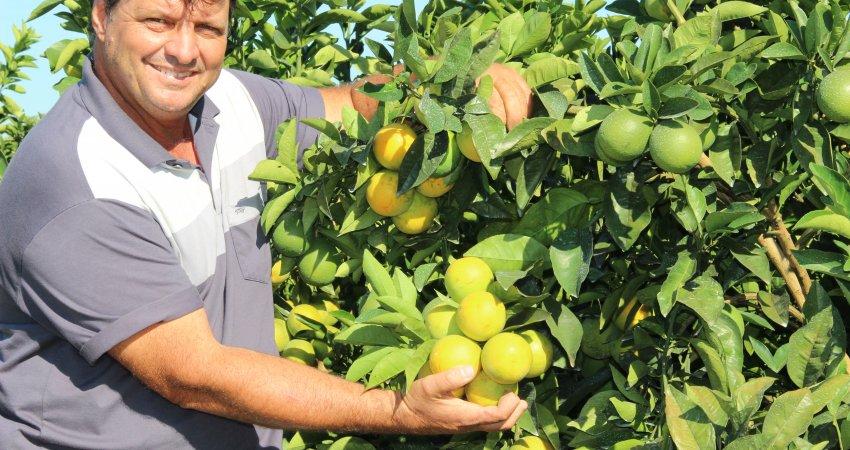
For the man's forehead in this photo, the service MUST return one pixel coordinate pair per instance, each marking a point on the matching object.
(181, 7)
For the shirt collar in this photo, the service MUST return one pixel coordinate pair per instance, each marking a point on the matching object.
(99, 102)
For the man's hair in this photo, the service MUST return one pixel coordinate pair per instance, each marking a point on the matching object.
(111, 4)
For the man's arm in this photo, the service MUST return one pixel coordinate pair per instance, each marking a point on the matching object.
(182, 361)
(511, 99)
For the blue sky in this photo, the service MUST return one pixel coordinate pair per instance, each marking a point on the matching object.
(40, 95)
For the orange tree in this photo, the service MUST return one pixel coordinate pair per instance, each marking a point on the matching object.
(658, 257)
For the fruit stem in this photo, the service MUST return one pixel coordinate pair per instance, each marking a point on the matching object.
(680, 19)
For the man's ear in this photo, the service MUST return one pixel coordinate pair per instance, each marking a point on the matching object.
(98, 19)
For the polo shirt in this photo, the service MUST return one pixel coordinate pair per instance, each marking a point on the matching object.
(104, 233)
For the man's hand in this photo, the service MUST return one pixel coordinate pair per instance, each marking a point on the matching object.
(430, 408)
(511, 99)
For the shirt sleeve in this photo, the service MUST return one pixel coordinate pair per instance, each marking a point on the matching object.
(278, 101)
(100, 272)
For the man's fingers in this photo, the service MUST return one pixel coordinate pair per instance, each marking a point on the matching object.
(442, 384)
(518, 412)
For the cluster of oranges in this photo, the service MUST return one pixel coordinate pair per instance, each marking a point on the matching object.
(472, 334)
(414, 211)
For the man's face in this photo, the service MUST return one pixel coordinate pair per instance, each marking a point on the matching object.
(161, 56)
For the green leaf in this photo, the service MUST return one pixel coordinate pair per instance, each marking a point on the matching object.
(702, 30)
(323, 126)
(704, 296)
(377, 276)
(535, 31)
(567, 331)
(348, 443)
(43, 8)
(737, 215)
(274, 208)
(832, 390)
(389, 366)
(547, 70)
(570, 255)
(825, 220)
(509, 30)
(676, 107)
(509, 252)
(531, 173)
(753, 258)
(834, 186)
(682, 271)
(687, 423)
(421, 160)
(287, 146)
(816, 349)
(458, 52)
(591, 73)
(748, 398)
(364, 364)
(336, 15)
(783, 50)
(367, 334)
(262, 59)
(627, 208)
(271, 170)
(713, 403)
(69, 51)
(735, 9)
(788, 417)
(823, 262)
(523, 136)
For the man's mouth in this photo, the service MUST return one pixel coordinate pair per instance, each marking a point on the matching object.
(174, 74)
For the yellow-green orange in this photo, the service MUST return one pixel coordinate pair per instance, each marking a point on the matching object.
(658, 10)
(442, 321)
(300, 351)
(318, 266)
(324, 312)
(675, 146)
(506, 358)
(486, 392)
(452, 158)
(641, 312)
(381, 194)
(531, 443)
(281, 336)
(295, 326)
(281, 269)
(391, 144)
(434, 187)
(481, 316)
(622, 136)
(289, 236)
(467, 145)
(418, 217)
(453, 351)
(833, 95)
(467, 275)
(541, 352)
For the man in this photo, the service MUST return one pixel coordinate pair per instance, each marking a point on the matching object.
(135, 309)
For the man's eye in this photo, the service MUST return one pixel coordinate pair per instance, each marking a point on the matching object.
(156, 21)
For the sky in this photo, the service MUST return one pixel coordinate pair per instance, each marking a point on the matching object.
(40, 95)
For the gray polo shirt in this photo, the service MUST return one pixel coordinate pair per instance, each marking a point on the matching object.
(104, 233)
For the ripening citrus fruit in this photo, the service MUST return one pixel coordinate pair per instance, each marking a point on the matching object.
(486, 392)
(531, 443)
(641, 312)
(466, 144)
(318, 266)
(833, 95)
(442, 321)
(281, 336)
(541, 352)
(289, 236)
(481, 316)
(324, 315)
(435, 187)
(658, 10)
(392, 143)
(419, 215)
(381, 194)
(451, 160)
(622, 136)
(281, 269)
(467, 275)
(453, 351)
(300, 351)
(675, 146)
(506, 358)
(296, 326)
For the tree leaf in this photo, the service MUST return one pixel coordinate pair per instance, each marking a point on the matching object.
(389, 366)
(567, 330)
(271, 170)
(560, 209)
(788, 417)
(364, 364)
(509, 252)
(377, 276)
(687, 423)
(627, 209)
(535, 31)
(681, 271)
(783, 50)
(825, 220)
(367, 334)
(704, 296)
(816, 349)
(570, 255)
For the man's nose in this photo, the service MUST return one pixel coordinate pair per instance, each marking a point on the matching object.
(182, 46)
